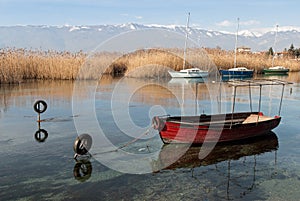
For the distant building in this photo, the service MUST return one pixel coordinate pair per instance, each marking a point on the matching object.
(281, 54)
(243, 49)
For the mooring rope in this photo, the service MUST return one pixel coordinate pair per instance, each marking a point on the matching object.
(128, 143)
(135, 139)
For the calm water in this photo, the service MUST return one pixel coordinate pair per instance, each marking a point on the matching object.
(32, 168)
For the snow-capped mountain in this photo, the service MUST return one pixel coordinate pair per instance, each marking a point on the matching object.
(86, 38)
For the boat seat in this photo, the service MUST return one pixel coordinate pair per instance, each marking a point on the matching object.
(254, 117)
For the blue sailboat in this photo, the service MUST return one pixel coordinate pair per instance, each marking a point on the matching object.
(236, 72)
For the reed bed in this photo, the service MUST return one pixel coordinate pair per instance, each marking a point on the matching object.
(256, 61)
(150, 63)
(17, 65)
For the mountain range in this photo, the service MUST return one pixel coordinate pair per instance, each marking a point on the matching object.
(86, 38)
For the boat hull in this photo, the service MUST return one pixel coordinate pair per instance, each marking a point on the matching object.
(277, 72)
(236, 73)
(214, 128)
(187, 75)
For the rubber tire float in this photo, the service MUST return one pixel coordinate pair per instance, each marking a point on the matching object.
(40, 106)
(82, 144)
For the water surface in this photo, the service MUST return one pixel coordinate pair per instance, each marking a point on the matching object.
(35, 169)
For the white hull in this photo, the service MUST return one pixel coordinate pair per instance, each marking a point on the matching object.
(184, 74)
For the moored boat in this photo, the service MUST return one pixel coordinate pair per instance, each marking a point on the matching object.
(238, 71)
(220, 127)
(189, 73)
(214, 128)
(276, 70)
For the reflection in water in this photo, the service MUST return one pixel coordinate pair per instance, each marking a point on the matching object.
(235, 77)
(54, 92)
(41, 135)
(290, 77)
(187, 80)
(22, 155)
(226, 153)
(82, 170)
(221, 152)
(231, 171)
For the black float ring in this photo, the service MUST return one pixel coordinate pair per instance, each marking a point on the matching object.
(82, 144)
(39, 137)
(37, 106)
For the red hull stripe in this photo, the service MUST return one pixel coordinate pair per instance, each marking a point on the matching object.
(176, 132)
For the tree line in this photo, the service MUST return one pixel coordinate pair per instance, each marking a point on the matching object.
(291, 52)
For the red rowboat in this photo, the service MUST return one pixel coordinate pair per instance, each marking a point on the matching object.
(220, 127)
(214, 128)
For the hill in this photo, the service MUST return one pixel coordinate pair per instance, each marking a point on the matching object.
(87, 38)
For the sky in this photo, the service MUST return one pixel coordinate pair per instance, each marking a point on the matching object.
(220, 15)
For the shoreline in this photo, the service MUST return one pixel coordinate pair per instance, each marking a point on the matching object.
(17, 65)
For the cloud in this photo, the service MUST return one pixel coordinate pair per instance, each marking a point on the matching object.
(249, 22)
(131, 16)
(138, 17)
(227, 23)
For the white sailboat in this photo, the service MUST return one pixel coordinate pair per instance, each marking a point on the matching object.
(190, 72)
(281, 70)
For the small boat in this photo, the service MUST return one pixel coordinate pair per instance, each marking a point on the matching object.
(220, 127)
(238, 71)
(190, 72)
(281, 70)
(276, 70)
(214, 128)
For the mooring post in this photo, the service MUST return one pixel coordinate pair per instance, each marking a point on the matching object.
(39, 121)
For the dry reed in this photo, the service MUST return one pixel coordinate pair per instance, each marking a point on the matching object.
(256, 61)
(19, 64)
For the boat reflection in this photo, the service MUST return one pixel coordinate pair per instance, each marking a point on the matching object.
(187, 80)
(232, 168)
(276, 76)
(221, 152)
(235, 77)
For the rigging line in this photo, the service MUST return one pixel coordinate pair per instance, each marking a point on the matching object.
(185, 42)
(236, 41)
(281, 99)
(275, 41)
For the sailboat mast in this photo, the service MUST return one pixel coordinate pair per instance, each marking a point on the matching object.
(275, 41)
(236, 40)
(186, 38)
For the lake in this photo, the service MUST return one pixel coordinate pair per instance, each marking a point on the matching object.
(115, 111)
